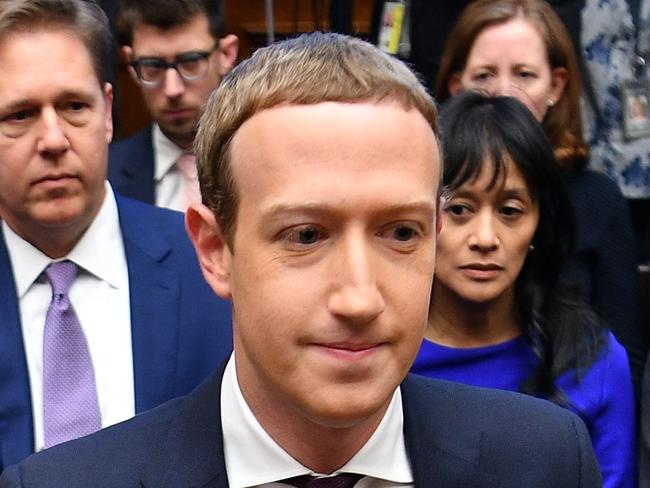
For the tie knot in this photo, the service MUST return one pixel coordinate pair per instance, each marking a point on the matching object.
(186, 163)
(61, 276)
(344, 480)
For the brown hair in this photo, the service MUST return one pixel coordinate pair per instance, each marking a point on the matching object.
(167, 14)
(563, 121)
(309, 69)
(84, 19)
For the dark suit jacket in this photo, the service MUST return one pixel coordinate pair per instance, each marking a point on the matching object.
(456, 436)
(131, 166)
(180, 329)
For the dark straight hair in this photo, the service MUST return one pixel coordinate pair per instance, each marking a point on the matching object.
(167, 14)
(478, 130)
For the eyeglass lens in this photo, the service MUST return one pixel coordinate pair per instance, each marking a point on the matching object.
(190, 66)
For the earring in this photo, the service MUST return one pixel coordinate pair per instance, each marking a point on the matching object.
(550, 102)
(531, 248)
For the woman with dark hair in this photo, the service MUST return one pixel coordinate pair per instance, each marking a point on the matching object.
(501, 316)
(520, 48)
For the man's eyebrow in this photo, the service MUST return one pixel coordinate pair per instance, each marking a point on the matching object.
(280, 209)
(67, 94)
(21, 103)
(15, 104)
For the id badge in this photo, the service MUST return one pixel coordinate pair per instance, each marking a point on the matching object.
(390, 30)
(635, 100)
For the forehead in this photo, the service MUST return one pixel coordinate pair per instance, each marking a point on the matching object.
(334, 154)
(192, 35)
(518, 37)
(45, 60)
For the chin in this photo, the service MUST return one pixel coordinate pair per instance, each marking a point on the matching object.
(350, 406)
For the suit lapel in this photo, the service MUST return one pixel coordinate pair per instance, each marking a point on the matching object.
(133, 167)
(441, 451)
(192, 453)
(154, 293)
(16, 424)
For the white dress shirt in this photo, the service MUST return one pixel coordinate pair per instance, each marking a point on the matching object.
(253, 459)
(100, 297)
(168, 178)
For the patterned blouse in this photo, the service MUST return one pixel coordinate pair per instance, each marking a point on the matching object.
(608, 41)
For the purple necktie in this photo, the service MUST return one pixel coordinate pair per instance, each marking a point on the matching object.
(70, 407)
(344, 480)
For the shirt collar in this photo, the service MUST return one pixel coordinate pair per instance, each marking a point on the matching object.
(253, 457)
(166, 153)
(98, 251)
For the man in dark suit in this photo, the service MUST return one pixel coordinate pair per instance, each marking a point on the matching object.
(188, 36)
(150, 327)
(320, 166)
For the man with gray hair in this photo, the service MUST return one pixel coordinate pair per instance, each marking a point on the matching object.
(103, 309)
(319, 167)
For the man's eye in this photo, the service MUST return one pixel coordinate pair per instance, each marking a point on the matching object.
(152, 63)
(76, 106)
(404, 233)
(20, 116)
(305, 235)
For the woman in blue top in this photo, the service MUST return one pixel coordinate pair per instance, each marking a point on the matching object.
(500, 315)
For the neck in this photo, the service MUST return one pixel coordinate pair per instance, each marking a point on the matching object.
(456, 322)
(313, 442)
(184, 141)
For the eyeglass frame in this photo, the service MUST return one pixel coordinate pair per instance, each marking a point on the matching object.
(136, 64)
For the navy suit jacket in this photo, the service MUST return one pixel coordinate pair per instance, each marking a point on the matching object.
(131, 164)
(456, 436)
(180, 330)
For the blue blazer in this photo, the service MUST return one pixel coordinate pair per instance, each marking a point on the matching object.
(456, 436)
(131, 166)
(180, 330)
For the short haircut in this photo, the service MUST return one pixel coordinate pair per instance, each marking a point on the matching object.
(84, 19)
(167, 14)
(563, 122)
(307, 70)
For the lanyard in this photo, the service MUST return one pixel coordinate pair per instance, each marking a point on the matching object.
(641, 39)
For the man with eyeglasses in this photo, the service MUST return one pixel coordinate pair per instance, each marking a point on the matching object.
(178, 52)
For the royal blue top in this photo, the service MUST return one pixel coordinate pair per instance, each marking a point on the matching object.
(603, 398)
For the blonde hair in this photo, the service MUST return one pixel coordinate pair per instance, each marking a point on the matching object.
(309, 69)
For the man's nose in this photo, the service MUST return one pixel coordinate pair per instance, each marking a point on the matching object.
(53, 139)
(173, 83)
(355, 294)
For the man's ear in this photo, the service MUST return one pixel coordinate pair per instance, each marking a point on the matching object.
(211, 248)
(127, 52)
(228, 49)
(108, 116)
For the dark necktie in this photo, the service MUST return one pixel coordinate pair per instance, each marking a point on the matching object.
(70, 407)
(345, 480)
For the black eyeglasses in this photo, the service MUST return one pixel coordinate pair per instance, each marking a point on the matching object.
(190, 66)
